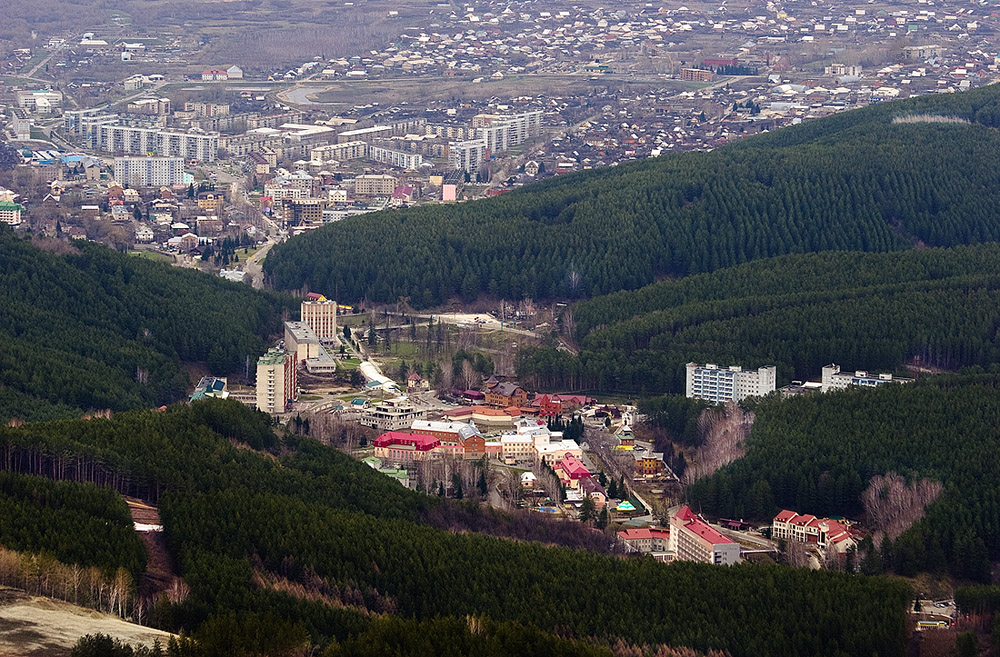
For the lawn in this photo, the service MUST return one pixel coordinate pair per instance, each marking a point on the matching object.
(152, 255)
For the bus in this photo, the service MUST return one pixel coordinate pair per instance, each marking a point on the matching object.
(931, 625)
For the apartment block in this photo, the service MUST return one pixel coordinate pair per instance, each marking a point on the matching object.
(715, 384)
(374, 185)
(149, 171)
(401, 159)
(276, 381)
(806, 528)
(142, 141)
(351, 150)
(467, 155)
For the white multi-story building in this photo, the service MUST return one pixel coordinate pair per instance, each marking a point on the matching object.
(392, 415)
(395, 158)
(351, 150)
(142, 141)
(716, 384)
(10, 213)
(833, 379)
(320, 315)
(276, 381)
(531, 442)
(467, 155)
(149, 171)
(39, 100)
(693, 539)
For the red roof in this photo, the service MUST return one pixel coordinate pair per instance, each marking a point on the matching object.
(418, 441)
(785, 515)
(701, 528)
(573, 467)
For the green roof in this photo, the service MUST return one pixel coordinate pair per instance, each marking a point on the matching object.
(7, 205)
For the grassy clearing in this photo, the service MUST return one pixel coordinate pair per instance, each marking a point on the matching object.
(152, 255)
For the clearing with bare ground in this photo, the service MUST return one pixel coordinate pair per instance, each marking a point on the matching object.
(35, 627)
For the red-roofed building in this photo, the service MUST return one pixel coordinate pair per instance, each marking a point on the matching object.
(693, 539)
(807, 528)
(571, 471)
(405, 447)
(648, 540)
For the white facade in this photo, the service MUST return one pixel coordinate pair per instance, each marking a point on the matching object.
(392, 415)
(715, 384)
(143, 141)
(467, 155)
(149, 171)
(833, 379)
(321, 317)
(395, 158)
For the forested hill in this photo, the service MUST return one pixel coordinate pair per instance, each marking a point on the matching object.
(853, 181)
(819, 453)
(292, 541)
(83, 327)
(874, 311)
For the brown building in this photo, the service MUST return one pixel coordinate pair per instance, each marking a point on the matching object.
(696, 75)
(504, 395)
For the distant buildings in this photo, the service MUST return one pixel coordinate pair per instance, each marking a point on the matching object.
(276, 381)
(693, 539)
(532, 442)
(149, 171)
(648, 540)
(697, 75)
(715, 384)
(833, 379)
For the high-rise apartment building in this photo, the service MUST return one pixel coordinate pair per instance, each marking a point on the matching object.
(276, 381)
(320, 315)
(149, 171)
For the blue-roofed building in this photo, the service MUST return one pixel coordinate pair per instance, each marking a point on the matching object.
(210, 386)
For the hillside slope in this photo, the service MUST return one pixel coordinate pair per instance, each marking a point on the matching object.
(877, 311)
(854, 181)
(305, 542)
(84, 328)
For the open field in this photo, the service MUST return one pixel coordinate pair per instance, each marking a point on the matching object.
(39, 627)
(420, 91)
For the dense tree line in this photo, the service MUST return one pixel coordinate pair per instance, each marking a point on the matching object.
(816, 454)
(76, 523)
(854, 181)
(89, 328)
(936, 307)
(307, 537)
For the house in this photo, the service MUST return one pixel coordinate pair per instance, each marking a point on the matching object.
(188, 242)
(571, 471)
(417, 382)
(214, 75)
(648, 464)
(505, 395)
(144, 234)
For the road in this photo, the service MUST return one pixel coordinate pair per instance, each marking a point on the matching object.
(254, 265)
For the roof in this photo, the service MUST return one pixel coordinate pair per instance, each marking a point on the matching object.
(700, 528)
(785, 516)
(418, 441)
(573, 467)
(505, 389)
